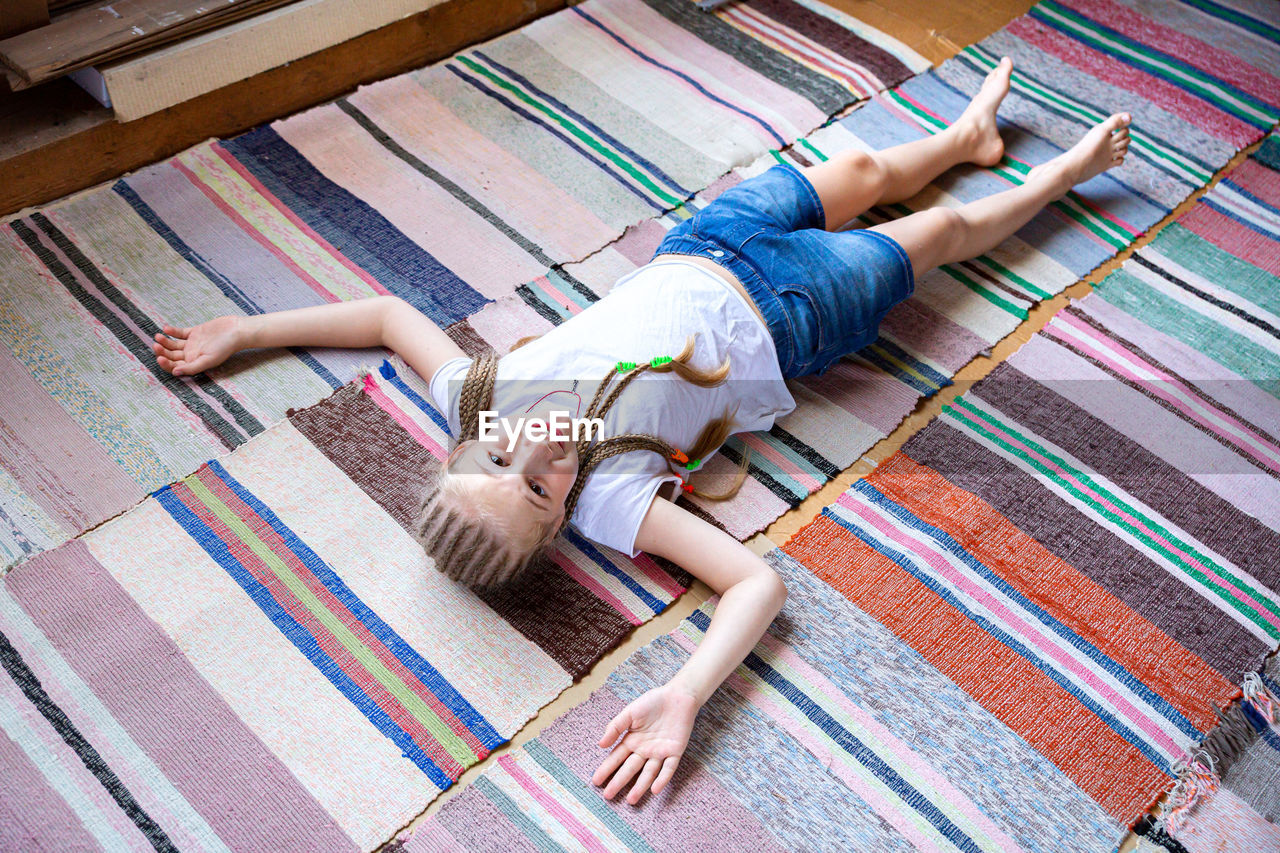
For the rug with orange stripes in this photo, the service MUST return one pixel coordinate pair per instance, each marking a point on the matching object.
(1012, 634)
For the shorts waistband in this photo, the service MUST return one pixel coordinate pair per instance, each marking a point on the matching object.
(752, 282)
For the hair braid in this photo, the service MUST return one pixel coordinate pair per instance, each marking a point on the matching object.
(607, 449)
(477, 394)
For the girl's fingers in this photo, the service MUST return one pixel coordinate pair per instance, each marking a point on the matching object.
(165, 364)
(172, 355)
(664, 776)
(610, 764)
(177, 332)
(170, 341)
(624, 775)
(616, 727)
(647, 775)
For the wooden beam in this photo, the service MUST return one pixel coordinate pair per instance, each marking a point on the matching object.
(89, 35)
(51, 147)
(141, 85)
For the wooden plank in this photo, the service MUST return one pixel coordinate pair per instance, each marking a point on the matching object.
(148, 83)
(87, 35)
(96, 148)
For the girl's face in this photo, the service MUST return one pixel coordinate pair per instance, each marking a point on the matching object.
(531, 480)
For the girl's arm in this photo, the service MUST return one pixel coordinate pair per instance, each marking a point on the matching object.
(657, 725)
(378, 321)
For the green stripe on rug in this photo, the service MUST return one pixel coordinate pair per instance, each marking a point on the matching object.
(573, 128)
(413, 703)
(1248, 611)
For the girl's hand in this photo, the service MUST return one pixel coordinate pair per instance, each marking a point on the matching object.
(185, 352)
(657, 726)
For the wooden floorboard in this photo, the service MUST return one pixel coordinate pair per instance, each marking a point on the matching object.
(56, 140)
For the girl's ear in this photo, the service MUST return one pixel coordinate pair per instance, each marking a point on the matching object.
(457, 451)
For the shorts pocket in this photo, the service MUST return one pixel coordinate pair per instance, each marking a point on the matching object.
(807, 323)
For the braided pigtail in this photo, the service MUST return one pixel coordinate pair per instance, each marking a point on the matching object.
(607, 449)
(477, 395)
(679, 364)
(712, 436)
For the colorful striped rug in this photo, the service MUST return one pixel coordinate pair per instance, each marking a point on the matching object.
(448, 186)
(1201, 80)
(1104, 505)
(263, 638)
(834, 734)
(261, 652)
(1013, 633)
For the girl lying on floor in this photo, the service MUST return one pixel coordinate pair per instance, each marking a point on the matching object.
(758, 287)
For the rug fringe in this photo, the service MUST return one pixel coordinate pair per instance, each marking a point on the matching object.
(1200, 774)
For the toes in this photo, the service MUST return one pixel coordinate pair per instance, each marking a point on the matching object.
(1116, 122)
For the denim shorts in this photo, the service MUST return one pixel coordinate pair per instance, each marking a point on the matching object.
(822, 294)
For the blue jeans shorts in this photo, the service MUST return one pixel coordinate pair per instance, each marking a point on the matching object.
(822, 294)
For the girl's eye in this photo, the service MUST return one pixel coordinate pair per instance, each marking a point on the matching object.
(497, 460)
(537, 490)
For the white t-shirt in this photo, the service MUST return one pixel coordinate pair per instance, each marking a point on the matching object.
(648, 313)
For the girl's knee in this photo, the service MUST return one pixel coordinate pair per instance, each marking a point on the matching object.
(949, 225)
(865, 169)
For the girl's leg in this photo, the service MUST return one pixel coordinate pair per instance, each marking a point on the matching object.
(853, 181)
(943, 235)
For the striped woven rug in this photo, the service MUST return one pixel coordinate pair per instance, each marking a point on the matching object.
(261, 639)
(259, 652)
(1014, 632)
(1201, 82)
(448, 186)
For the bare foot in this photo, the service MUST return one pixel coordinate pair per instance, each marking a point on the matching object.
(1104, 146)
(977, 124)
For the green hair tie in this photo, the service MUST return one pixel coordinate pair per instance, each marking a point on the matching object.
(693, 465)
(624, 366)
(660, 360)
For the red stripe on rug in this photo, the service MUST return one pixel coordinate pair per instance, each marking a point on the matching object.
(1233, 237)
(1180, 677)
(1086, 749)
(1213, 61)
(1181, 103)
(331, 602)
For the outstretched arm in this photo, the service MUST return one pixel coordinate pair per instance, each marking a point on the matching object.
(379, 321)
(656, 726)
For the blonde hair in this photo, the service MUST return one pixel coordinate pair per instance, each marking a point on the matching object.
(469, 542)
(477, 547)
